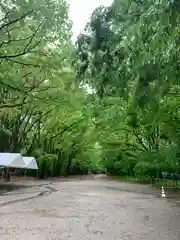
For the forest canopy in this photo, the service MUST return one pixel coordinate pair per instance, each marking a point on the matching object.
(109, 102)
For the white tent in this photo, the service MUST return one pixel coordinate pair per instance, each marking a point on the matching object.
(13, 160)
(30, 163)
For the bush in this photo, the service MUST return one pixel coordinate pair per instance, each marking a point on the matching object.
(49, 166)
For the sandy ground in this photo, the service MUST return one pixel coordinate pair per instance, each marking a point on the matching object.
(91, 209)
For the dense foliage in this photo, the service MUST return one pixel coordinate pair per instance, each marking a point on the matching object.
(42, 111)
(129, 55)
(108, 103)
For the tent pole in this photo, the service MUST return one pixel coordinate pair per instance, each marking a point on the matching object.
(2, 173)
(9, 176)
(25, 173)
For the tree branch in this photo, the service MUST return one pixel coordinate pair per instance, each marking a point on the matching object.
(23, 64)
(31, 38)
(65, 129)
(14, 40)
(10, 86)
(140, 140)
(15, 20)
(12, 105)
(22, 53)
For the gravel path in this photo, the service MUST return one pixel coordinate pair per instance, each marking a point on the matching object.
(87, 210)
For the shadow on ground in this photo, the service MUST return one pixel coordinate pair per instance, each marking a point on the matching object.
(8, 187)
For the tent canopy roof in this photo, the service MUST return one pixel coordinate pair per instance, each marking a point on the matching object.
(15, 160)
(30, 162)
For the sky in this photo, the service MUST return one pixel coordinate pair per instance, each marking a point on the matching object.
(80, 12)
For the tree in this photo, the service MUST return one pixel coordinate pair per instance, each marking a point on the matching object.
(129, 55)
(42, 112)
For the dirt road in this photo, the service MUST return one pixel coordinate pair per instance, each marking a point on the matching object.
(87, 210)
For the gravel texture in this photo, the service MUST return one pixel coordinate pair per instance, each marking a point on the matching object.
(92, 209)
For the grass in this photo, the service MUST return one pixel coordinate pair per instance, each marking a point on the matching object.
(125, 178)
(169, 183)
(131, 179)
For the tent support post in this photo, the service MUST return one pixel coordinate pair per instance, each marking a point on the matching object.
(25, 173)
